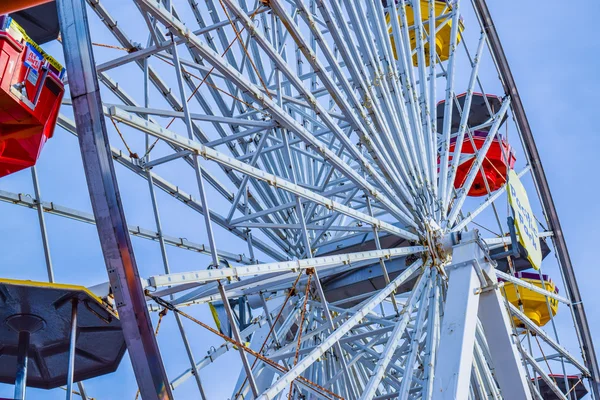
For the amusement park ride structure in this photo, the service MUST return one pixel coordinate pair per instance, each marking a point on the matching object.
(346, 177)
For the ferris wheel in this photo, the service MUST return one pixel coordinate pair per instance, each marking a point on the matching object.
(298, 199)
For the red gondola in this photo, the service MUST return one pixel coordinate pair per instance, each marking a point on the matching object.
(500, 155)
(31, 90)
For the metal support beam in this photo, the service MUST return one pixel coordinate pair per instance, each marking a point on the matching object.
(509, 368)
(227, 161)
(457, 338)
(106, 202)
(473, 293)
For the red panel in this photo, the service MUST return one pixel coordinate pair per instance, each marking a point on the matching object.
(499, 157)
(25, 122)
(7, 7)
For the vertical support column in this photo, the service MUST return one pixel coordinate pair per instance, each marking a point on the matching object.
(72, 343)
(106, 202)
(457, 336)
(21, 377)
(472, 294)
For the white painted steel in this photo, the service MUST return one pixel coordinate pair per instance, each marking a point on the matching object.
(303, 146)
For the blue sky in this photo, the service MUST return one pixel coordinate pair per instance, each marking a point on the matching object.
(553, 54)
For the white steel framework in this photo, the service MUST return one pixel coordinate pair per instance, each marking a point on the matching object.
(300, 143)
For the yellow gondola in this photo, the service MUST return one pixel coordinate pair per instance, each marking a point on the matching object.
(443, 29)
(534, 304)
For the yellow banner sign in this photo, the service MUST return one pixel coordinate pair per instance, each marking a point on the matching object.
(19, 33)
(525, 222)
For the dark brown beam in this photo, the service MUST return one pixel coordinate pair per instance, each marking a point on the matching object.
(510, 88)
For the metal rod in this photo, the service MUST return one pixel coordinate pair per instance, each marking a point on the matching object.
(22, 358)
(42, 221)
(72, 349)
(236, 335)
(82, 393)
(463, 121)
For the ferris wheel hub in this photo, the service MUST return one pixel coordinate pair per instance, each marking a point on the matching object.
(440, 243)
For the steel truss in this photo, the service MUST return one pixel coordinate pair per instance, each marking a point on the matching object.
(310, 155)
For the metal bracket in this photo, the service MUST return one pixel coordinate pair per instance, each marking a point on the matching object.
(514, 250)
